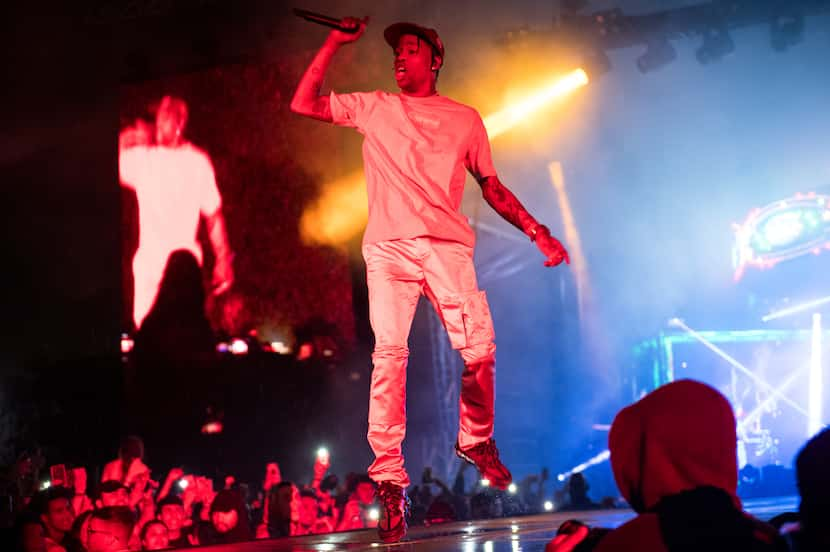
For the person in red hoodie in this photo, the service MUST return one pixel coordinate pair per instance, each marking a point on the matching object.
(673, 454)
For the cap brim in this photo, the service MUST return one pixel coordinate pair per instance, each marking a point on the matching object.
(393, 34)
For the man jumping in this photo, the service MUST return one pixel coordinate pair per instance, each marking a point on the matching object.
(417, 146)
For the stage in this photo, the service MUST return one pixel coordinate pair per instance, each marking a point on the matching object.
(525, 533)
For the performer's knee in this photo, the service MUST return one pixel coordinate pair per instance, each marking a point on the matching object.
(389, 352)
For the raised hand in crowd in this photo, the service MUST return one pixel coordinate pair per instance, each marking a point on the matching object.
(172, 476)
(80, 502)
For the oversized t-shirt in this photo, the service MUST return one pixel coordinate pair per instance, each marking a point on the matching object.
(415, 153)
(173, 187)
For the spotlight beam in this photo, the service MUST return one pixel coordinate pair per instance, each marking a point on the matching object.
(814, 405)
(599, 458)
(501, 121)
(789, 311)
(756, 412)
(740, 367)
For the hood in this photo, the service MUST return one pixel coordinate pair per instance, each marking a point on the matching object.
(677, 438)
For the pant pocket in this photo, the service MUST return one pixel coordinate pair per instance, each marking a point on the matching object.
(467, 319)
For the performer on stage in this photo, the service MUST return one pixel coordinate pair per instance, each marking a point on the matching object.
(417, 145)
(175, 185)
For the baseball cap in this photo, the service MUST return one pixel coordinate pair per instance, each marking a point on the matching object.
(393, 33)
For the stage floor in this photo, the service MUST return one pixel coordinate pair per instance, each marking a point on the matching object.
(518, 534)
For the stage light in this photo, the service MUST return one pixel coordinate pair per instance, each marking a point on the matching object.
(212, 428)
(305, 352)
(280, 348)
(374, 514)
(783, 228)
(222, 347)
(548, 506)
(659, 52)
(500, 122)
(485, 482)
(786, 31)
(127, 343)
(609, 22)
(45, 485)
(716, 44)
(512, 489)
(781, 231)
(238, 347)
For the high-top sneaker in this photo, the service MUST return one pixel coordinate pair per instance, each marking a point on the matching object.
(485, 457)
(394, 507)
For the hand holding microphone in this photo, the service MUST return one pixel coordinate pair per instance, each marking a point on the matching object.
(346, 30)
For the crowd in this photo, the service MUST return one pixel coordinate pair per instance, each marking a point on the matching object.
(130, 510)
(673, 456)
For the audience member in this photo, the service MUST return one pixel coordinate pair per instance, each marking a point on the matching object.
(813, 475)
(171, 512)
(228, 520)
(673, 454)
(55, 509)
(283, 510)
(77, 540)
(355, 513)
(30, 534)
(310, 522)
(129, 463)
(112, 493)
(578, 494)
(110, 529)
(154, 536)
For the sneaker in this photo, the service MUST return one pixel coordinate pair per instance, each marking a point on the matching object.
(394, 506)
(485, 457)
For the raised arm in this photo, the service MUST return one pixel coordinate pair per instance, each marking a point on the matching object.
(510, 208)
(307, 100)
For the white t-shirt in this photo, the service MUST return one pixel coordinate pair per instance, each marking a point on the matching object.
(415, 154)
(173, 187)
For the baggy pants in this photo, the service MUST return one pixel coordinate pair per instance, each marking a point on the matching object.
(398, 272)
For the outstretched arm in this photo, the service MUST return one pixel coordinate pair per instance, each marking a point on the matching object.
(510, 208)
(307, 100)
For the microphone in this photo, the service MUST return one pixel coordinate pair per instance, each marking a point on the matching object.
(321, 19)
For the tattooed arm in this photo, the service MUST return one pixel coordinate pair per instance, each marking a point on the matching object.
(510, 208)
(507, 205)
(307, 99)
